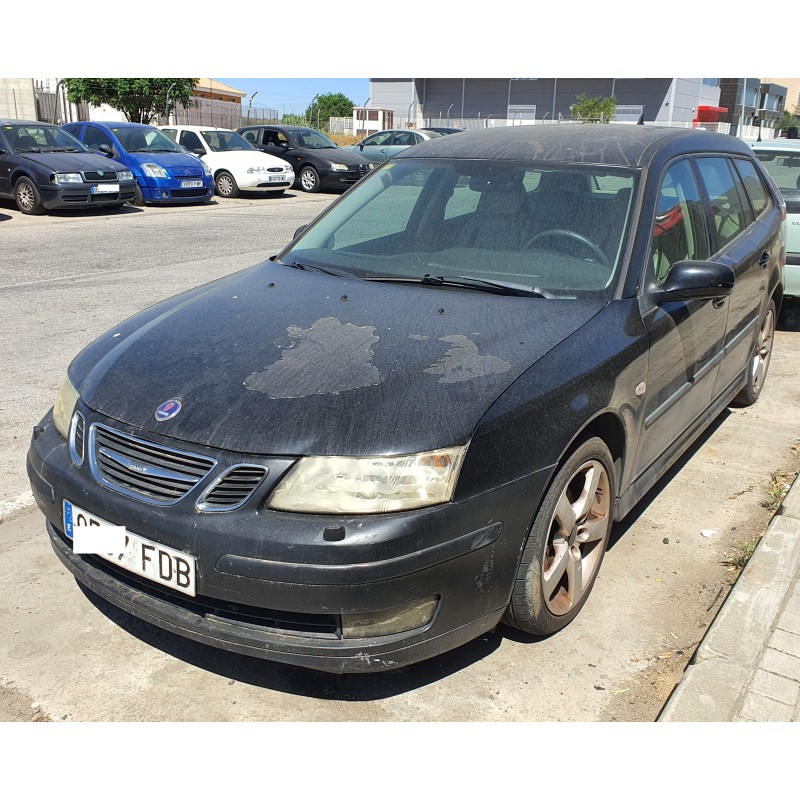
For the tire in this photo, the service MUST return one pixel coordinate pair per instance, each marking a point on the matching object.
(138, 197)
(759, 363)
(225, 184)
(309, 180)
(27, 196)
(549, 589)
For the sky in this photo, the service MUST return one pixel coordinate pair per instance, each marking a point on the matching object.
(294, 95)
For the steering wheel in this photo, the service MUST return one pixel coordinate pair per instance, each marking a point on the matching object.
(565, 234)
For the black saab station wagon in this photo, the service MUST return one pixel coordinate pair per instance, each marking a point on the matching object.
(421, 418)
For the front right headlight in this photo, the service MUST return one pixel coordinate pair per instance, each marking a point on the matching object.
(369, 485)
(63, 408)
(154, 171)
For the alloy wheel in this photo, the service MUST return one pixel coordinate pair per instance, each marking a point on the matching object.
(578, 531)
(763, 351)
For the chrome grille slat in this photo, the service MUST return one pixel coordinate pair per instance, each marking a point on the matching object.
(233, 489)
(158, 457)
(121, 462)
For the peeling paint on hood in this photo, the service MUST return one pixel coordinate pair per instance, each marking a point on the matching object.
(278, 361)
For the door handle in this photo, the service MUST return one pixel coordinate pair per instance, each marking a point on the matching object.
(718, 303)
(763, 259)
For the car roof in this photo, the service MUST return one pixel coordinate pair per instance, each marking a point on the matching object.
(26, 122)
(117, 124)
(618, 145)
(197, 127)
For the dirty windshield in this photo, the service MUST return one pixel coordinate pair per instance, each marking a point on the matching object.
(445, 222)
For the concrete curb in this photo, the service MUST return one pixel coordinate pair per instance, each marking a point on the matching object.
(715, 684)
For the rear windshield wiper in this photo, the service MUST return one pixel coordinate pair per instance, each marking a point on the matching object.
(463, 282)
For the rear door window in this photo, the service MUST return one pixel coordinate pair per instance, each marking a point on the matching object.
(729, 213)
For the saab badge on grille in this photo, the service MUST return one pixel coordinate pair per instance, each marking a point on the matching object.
(168, 410)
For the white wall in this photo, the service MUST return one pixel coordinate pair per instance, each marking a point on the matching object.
(17, 98)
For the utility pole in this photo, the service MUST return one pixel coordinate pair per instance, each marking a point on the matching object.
(167, 108)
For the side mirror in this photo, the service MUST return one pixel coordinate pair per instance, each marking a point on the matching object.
(199, 151)
(698, 280)
(106, 149)
(301, 230)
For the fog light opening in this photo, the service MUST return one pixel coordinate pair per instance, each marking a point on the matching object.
(165, 195)
(394, 620)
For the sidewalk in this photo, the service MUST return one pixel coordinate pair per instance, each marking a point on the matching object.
(747, 668)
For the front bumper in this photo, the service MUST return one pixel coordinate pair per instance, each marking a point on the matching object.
(173, 190)
(274, 585)
(261, 181)
(331, 179)
(70, 195)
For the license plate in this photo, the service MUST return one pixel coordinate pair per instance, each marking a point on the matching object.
(106, 188)
(277, 178)
(191, 184)
(141, 556)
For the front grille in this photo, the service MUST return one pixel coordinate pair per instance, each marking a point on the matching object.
(185, 172)
(77, 439)
(275, 169)
(233, 489)
(99, 198)
(143, 469)
(361, 169)
(189, 192)
(96, 177)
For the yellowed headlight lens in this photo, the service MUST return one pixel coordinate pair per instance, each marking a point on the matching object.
(64, 406)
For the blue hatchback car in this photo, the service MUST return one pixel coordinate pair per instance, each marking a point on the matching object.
(164, 172)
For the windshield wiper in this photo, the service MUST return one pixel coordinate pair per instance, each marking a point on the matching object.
(63, 150)
(315, 268)
(463, 282)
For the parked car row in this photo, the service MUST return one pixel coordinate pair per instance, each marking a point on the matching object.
(45, 167)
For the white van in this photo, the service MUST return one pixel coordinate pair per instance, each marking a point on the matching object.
(781, 159)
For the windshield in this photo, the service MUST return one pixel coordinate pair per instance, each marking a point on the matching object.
(784, 168)
(145, 140)
(41, 139)
(560, 230)
(313, 140)
(220, 141)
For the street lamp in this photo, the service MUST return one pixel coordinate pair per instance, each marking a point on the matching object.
(448, 113)
(757, 120)
(250, 106)
(311, 112)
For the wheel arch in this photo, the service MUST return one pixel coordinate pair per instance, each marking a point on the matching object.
(608, 427)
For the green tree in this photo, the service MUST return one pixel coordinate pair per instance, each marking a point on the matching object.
(140, 99)
(326, 106)
(293, 119)
(594, 109)
(787, 120)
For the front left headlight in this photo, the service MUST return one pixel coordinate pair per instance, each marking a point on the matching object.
(339, 167)
(68, 177)
(154, 171)
(369, 485)
(206, 168)
(125, 175)
(63, 408)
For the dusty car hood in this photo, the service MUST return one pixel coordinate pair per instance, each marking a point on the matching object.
(283, 362)
(69, 162)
